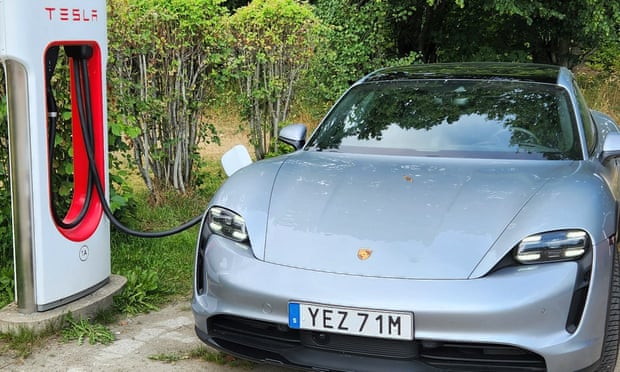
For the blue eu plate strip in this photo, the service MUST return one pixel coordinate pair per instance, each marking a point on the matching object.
(293, 315)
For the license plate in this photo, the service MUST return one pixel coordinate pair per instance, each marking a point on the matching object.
(352, 321)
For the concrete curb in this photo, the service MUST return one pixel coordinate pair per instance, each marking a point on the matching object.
(11, 321)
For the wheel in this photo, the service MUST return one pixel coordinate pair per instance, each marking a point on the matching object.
(610, 343)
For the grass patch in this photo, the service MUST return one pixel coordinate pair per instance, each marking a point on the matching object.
(21, 343)
(85, 329)
(160, 270)
(169, 357)
(203, 353)
(157, 270)
(206, 354)
(218, 357)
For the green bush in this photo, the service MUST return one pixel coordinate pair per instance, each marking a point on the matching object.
(164, 59)
(6, 248)
(273, 42)
(358, 39)
(7, 285)
(140, 293)
(6, 234)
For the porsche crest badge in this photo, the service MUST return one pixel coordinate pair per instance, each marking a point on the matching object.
(364, 253)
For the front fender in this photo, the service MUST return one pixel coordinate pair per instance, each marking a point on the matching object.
(582, 200)
(248, 193)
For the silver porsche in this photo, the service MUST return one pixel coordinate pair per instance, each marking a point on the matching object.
(446, 217)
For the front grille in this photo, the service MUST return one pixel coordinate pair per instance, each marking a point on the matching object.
(479, 357)
(235, 327)
(266, 341)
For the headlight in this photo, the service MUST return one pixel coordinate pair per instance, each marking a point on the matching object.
(227, 223)
(552, 246)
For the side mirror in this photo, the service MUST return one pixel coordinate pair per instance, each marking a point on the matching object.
(294, 135)
(235, 159)
(611, 146)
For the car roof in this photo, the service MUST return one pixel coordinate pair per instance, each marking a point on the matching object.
(472, 70)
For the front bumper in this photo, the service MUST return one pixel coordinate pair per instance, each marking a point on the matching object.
(520, 310)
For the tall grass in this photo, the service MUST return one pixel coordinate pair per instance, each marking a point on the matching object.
(602, 91)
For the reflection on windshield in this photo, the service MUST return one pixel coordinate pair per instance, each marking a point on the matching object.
(452, 118)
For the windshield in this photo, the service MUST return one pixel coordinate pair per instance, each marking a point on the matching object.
(460, 118)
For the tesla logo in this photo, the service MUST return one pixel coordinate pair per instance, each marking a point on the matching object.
(72, 14)
(364, 253)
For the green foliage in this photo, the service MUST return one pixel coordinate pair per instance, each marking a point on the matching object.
(84, 329)
(220, 358)
(205, 354)
(6, 234)
(7, 284)
(358, 39)
(7, 278)
(599, 79)
(23, 341)
(602, 90)
(62, 166)
(163, 62)
(281, 149)
(273, 42)
(606, 58)
(140, 293)
(62, 163)
(167, 357)
(563, 33)
(160, 269)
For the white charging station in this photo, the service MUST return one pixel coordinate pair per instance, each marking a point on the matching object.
(54, 264)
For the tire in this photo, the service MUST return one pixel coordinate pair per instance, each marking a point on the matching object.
(609, 354)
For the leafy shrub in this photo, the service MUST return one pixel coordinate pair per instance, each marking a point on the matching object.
(273, 43)
(7, 285)
(164, 58)
(7, 281)
(6, 234)
(358, 38)
(140, 293)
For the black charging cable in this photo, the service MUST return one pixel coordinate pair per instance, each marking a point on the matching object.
(51, 59)
(80, 55)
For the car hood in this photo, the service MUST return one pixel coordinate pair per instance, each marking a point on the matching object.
(404, 217)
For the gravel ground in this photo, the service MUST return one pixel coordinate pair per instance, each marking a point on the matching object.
(164, 333)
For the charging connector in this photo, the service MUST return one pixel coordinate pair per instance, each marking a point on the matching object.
(79, 51)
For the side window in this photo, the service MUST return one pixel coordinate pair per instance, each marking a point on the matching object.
(586, 118)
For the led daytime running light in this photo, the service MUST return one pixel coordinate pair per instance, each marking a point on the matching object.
(552, 246)
(228, 224)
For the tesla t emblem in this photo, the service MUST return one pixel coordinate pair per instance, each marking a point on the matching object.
(364, 253)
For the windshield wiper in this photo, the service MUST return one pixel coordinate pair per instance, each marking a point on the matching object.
(323, 149)
(548, 153)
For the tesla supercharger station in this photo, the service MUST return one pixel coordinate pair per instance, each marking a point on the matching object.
(56, 262)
